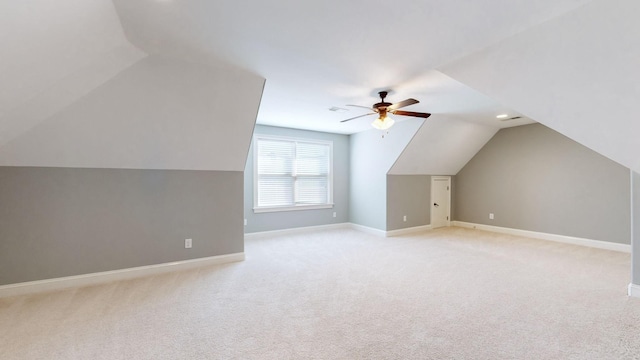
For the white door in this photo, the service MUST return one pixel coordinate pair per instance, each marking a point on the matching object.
(440, 201)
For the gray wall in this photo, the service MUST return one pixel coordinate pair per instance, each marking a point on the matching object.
(58, 222)
(635, 204)
(408, 195)
(301, 218)
(372, 156)
(533, 178)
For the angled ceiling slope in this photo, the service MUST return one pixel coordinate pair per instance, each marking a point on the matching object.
(320, 54)
(311, 66)
(463, 121)
(53, 53)
(160, 113)
(577, 74)
(76, 93)
(442, 146)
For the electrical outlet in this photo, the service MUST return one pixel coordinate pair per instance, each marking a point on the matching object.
(188, 243)
(245, 222)
(404, 218)
(334, 214)
(490, 216)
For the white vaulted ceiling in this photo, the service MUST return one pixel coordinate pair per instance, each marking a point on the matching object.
(319, 54)
(466, 61)
(578, 74)
(53, 53)
(160, 113)
(74, 92)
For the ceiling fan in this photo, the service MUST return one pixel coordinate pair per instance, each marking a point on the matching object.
(383, 122)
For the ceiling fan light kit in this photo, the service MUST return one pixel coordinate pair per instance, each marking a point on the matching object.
(384, 122)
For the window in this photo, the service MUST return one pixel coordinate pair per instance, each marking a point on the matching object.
(291, 174)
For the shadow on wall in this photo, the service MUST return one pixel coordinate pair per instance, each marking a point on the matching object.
(533, 178)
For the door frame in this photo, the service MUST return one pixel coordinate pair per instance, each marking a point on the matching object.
(433, 180)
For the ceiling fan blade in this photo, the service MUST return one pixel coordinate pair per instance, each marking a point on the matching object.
(410, 113)
(360, 106)
(403, 103)
(359, 116)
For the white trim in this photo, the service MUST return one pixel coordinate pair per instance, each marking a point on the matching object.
(31, 287)
(369, 230)
(410, 230)
(298, 230)
(634, 290)
(546, 236)
(634, 241)
(433, 180)
(365, 229)
(265, 209)
(292, 207)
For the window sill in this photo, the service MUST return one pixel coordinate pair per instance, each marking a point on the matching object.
(291, 208)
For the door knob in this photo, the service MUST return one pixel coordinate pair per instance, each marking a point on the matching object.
(435, 204)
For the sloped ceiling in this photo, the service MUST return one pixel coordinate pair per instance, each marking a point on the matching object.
(74, 92)
(53, 53)
(553, 61)
(316, 55)
(577, 74)
(442, 146)
(463, 121)
(160, 113)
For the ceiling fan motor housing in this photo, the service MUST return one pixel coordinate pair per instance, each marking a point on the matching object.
(384, 107)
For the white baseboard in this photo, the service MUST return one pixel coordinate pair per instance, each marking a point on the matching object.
(634, 290)
(390, 233)
(301, 230)
(368, 230)
(550, 237)
(31, 287)
(298, 230)
(410, 230)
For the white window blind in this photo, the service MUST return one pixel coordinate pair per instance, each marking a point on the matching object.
(291, 174)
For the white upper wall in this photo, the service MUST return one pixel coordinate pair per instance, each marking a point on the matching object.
(373, 152)
(54, 52)
(462, 121)
(320, 54)
(578, 74)
(58, 59)
(442, 146)
(74, 92)
(160, 113)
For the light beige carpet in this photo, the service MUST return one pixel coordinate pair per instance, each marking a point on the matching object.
(341, 294)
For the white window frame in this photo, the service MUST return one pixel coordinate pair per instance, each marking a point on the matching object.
(261, 209)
